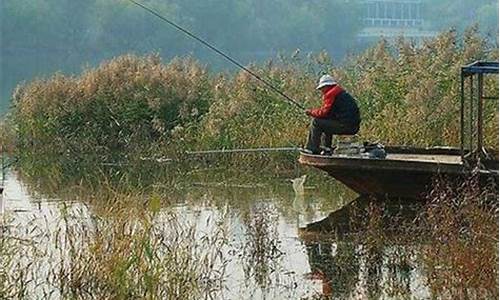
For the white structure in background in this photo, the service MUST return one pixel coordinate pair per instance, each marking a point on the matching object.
(393, 18)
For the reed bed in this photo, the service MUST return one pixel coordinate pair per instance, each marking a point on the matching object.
(126, 249)
(461, 258)
(133, 106)
(452, 238)
(139, 247)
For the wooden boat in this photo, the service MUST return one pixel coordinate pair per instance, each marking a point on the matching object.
(405, 172)
(409, 172)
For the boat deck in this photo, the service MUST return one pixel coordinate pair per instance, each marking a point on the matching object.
(433, 158)
(405, 172)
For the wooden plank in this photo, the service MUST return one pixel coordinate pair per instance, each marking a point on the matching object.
(436, 158)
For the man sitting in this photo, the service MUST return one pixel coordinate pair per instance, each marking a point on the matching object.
(338, 115)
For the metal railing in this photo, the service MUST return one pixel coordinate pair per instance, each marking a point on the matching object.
(471, 109)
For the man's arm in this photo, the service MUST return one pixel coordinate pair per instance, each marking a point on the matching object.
(328, 101)
(324, 110)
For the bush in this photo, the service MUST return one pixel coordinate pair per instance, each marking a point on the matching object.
(109, 111)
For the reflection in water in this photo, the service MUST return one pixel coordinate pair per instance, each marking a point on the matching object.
(263, 257)
(298, 185)
(349, 252)
(261, 251)
(336, 265)
(362, 213)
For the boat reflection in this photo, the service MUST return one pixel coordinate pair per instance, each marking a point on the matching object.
(336, 266)
(350, 254)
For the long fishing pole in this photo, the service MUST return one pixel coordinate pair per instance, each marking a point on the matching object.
(267, 83)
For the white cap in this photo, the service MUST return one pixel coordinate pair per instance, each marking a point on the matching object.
(326, 80)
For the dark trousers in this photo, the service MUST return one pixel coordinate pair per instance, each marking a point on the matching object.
(328, 128)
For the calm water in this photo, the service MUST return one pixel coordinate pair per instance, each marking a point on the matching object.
(268, 256)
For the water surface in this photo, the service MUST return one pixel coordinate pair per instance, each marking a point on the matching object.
(268, 255)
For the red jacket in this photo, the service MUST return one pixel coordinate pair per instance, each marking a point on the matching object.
(328, 100)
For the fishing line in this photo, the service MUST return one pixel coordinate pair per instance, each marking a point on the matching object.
(267, 83)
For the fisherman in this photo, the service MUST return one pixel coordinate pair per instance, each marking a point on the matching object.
(338, 115)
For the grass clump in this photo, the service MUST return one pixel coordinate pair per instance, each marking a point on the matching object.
(461, 258)
(128, 248)
(109, 112)
(410, 94)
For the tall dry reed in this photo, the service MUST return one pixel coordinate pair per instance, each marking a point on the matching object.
(408, 94)
(127, 248)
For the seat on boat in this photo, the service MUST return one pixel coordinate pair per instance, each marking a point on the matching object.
(347, 139)
(347, 144)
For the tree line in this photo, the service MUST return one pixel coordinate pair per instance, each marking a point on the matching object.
(43, 36)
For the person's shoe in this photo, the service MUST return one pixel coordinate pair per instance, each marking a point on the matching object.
(305, 150)
(309, 151)
(327, 152)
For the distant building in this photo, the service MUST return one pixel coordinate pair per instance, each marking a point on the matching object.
(393, 18)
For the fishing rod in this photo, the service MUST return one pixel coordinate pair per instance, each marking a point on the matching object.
(249, 150)
(239, 65)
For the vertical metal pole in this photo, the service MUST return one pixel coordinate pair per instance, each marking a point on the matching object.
(471, 113)
(479, 114)
(3, 166)
(462, 115)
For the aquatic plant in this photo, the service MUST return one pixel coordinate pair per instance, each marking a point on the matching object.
(128, 248)
(261, 251)
(461, 230)
(107, 113)
(410, 93)
(133, 106)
